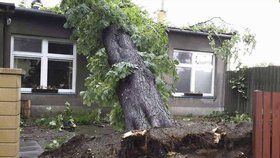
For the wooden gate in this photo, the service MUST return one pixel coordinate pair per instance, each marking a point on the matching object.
(266, 132)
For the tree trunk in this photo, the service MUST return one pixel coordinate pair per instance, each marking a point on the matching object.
(141, 103)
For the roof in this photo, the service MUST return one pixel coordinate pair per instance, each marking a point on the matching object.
(188, 31)
(36, 12)
(10, 7)
(7, 7)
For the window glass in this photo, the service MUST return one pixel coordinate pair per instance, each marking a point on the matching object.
(60, 74)
(32, 70)
(27, 44)
(203, 81)
(183, 84)
(183, 57)
(204, 58)
(60, 48)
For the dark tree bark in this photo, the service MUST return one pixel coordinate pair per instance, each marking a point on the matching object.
(141, 103)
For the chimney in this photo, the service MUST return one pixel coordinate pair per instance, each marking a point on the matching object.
(161, 17)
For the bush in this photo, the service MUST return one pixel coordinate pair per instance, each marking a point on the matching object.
(227, 117)
(87, 118)
(60, 121)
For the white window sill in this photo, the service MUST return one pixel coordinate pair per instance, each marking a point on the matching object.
(60, 92)
(194, 95)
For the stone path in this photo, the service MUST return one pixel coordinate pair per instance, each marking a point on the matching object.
(30, 149)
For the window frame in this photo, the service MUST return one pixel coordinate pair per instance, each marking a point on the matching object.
(194, 67)
(44, 56)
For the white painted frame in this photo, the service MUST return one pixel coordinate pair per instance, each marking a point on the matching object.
(195, 67)
(44, 56)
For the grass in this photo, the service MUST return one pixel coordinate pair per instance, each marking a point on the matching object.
(86, 117)
(217, 116)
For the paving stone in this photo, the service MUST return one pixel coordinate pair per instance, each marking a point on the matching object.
(28, 143)
(30, 149)
(30, 154)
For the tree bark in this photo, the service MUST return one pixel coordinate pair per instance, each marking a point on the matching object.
(141, 103)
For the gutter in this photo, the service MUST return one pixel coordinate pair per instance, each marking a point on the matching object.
(35, 12)
(172, 29)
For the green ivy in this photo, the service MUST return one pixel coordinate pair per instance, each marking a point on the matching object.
(56, 9)
(231, 48)
(239, 83)
(239, 44)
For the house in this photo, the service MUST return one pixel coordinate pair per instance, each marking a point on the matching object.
(201, 85)
(37, 42)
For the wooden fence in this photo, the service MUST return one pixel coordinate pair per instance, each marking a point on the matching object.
(257, 78)
(266, 132)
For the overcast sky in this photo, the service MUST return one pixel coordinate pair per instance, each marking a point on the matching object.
(261, 16)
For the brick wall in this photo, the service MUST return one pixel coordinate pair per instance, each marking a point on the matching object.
(10, 83)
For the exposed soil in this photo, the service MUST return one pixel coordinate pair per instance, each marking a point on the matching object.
(44, 135)
(101, 142)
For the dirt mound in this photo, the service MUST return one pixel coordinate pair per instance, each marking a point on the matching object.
(75, 147)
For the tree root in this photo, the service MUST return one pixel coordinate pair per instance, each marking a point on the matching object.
(163, 142)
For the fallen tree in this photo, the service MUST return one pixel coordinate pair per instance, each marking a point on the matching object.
(141, 103)
(127, 56)
(195, 140)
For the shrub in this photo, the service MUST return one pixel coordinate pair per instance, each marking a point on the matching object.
(86, 118)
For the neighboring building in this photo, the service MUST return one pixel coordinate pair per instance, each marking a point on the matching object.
(201, 84)
(37, 42)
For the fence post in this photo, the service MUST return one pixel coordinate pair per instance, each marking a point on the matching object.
(257, 127)
(10, 84)
(275, 125)
(266, 124)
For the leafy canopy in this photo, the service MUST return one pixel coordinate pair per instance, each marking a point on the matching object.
(88, 18)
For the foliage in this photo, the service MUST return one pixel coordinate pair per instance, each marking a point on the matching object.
(67, 117)
(227, 49)
(54, 144)
(239, 83)
(22, 4)
(56, 9)
(88, 117)
(238, 118)
(21, 124)
(60, 121)
(88, 19)
(227, 117)
(116, 117)
(57, 123)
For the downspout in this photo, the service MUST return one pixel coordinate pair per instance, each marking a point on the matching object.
(2, 41)
(6, 41)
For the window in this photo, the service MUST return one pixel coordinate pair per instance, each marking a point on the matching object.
(47, 63)
(196, 73)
